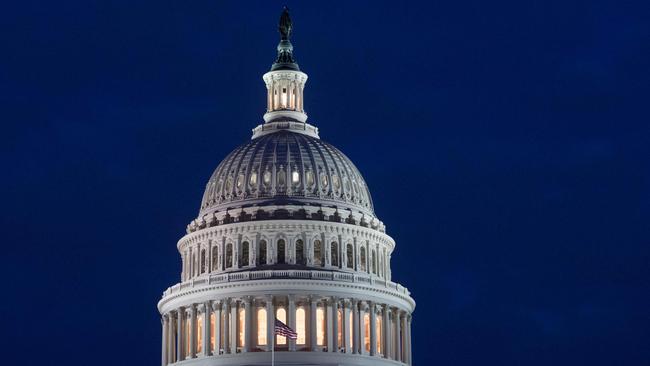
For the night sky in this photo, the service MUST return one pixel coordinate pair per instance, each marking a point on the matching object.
(505, 144)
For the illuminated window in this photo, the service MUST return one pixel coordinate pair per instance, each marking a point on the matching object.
(215, 258)
(320, 326)
(310, 178)
(379, 333)
(228, 255)
(213, 325)
(266, 178)
(261, 257)
(240, 181)
(244, 254)
(295, 177)
(261, 327)
(300, 252)
(318, 253)
(199, 333)
(253, 179)
(323, 180)
(339, 327)
(241, 342)
(300, 325)
(281, 251)
(334, 249)
(336, 182)
(281, 315)
(284, 98)
(363, 258)
(366, 338)
(350, 256)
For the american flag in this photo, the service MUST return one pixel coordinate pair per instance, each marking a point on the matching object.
(284, 330)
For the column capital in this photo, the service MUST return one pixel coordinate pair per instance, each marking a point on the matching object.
(216, 305)
(314, 298)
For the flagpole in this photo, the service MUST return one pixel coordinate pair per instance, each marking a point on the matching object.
(273, 347)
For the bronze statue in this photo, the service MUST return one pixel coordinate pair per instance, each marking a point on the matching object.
(285, 24)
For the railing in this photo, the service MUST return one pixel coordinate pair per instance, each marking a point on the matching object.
(287, 273)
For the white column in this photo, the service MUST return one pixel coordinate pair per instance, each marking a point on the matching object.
(226, 326)
(355, 326)
(234, 329)
(312, 323)
(216, 306)
(334, 346)
(387, 329)
(180, 354)
(408, 340)
(163, 322)
(329, 321)
(292, 320)
(362, 326)
(207, 311)
(398, 336)
(373, 330)
(403, 337)
(270, 323)
(345, 323)
(170, 337)
(247, 323)
(192, 311)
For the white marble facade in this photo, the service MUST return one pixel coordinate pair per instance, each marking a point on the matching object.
(286, 230)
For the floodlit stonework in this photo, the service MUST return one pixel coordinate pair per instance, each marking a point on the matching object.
(286, 230)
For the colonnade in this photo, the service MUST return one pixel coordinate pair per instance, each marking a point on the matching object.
(323, 324)
(243, 252)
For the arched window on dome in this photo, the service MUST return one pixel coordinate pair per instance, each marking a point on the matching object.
(349, 256)
(295, 177)
(202, 260)
(229, 255)
(245, 252)
(261, 256)
(215, 258)
(362, 258)
(373, 260)
(334, 252)
(281, 251)
(300, 252)
(318, 253)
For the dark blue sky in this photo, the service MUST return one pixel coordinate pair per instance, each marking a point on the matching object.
(506, 146)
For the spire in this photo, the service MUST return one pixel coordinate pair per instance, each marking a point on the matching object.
(285, 60)
(285, 86)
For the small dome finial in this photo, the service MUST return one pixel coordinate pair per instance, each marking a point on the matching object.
(285, 24)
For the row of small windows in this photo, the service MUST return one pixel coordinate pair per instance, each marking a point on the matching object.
(350, 187)
(194, 266)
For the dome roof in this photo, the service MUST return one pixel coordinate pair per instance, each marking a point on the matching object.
(286, 168)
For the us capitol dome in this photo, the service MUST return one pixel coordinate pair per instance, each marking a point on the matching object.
(286, 230)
